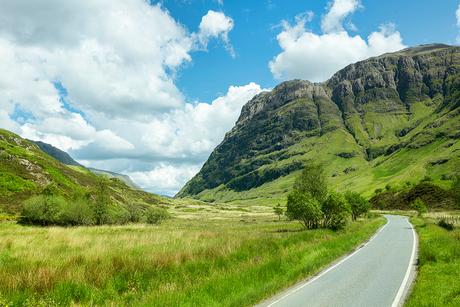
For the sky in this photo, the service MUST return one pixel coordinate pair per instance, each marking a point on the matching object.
(149, 88)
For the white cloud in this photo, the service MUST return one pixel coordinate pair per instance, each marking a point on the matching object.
(314, 57)
(215, 25)
(338, 11)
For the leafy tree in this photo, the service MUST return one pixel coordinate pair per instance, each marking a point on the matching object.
(419, 206)
(336, 211)
(102, 203)
(278, 211)
(304, 208)
(358, 204)
(155, 215)
(312, 180)
(135, 214)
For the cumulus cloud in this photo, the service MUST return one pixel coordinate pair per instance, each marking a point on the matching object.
(215, 25)
(316, 57)
(97, 79)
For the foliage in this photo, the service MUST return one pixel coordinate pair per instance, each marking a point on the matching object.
(43, 210)
(304, 208)
(102, 203)
(155, 215)
(358, 204)
(419, 206)
(444, 223)
(278, 211)
(78, 211)
(313, 180)
(455, 188)
(336, 211)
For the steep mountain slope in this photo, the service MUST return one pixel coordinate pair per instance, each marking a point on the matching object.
(25, 170)
(392, 119)
(65, 158)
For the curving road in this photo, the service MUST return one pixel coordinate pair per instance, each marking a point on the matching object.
(378, 273)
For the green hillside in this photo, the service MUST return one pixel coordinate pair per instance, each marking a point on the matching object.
(391, 120)
(25, 170)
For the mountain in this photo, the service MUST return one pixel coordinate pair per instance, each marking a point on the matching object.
(25, 169)
(65, 158)
(388, 121)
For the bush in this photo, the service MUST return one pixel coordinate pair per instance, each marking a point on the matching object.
(419, 206)
(336, 211)
(446, 224)
(78, 211)
(303, 208)
(155, 215)
(43, 210)
(358, 204)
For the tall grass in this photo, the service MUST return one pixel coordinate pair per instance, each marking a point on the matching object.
(181, 263)
(439, 268)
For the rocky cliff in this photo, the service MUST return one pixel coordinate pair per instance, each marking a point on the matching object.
(362, 123)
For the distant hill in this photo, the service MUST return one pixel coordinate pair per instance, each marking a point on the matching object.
(65, 158)
(385, 122)
(25, 169)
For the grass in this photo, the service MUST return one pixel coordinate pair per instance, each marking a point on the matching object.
(231, 259)
(439, 268)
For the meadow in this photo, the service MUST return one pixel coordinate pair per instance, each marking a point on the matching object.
(207, 255)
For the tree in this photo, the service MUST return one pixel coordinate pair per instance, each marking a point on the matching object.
(78, 211)
(278, 211)
(304, 208)
(419, 206)
(43, 210)
(312, 180)
(336, 211)
(102, 203)
(358, 204)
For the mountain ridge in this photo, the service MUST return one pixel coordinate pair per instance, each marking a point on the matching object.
(365, 111)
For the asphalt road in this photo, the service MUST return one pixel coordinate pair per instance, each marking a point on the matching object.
(378, 273)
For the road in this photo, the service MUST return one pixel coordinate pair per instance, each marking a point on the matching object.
(377, 274)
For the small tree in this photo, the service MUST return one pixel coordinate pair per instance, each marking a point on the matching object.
(278, 211)
(43, 210)
(78, 211)
(304, 208)
(313, 180)
(336, 211)
(155, 215)
(358, 204)
(419, 206)
(102, 203)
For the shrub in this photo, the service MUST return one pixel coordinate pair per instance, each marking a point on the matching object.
(43, 210)
(303, 208)
(155, 215)
(336, 211)
(135, 214)
(419, 206)
(78, 211)
(358, 204)
(446, 224)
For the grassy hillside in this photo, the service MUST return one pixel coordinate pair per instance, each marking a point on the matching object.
(25, 170)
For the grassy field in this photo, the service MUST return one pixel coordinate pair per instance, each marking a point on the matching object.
(439, 268)
(206, 256)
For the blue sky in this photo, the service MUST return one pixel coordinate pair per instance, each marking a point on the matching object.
(149, 89)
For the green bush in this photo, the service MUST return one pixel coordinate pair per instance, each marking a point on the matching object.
(78, 211)
(43, 210)
(358, 204)
(419, 206)
(336, 211)
(304, 208)
(155, 215)
(446, 224)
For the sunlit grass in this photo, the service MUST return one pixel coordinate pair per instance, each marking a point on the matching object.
(184, 262)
